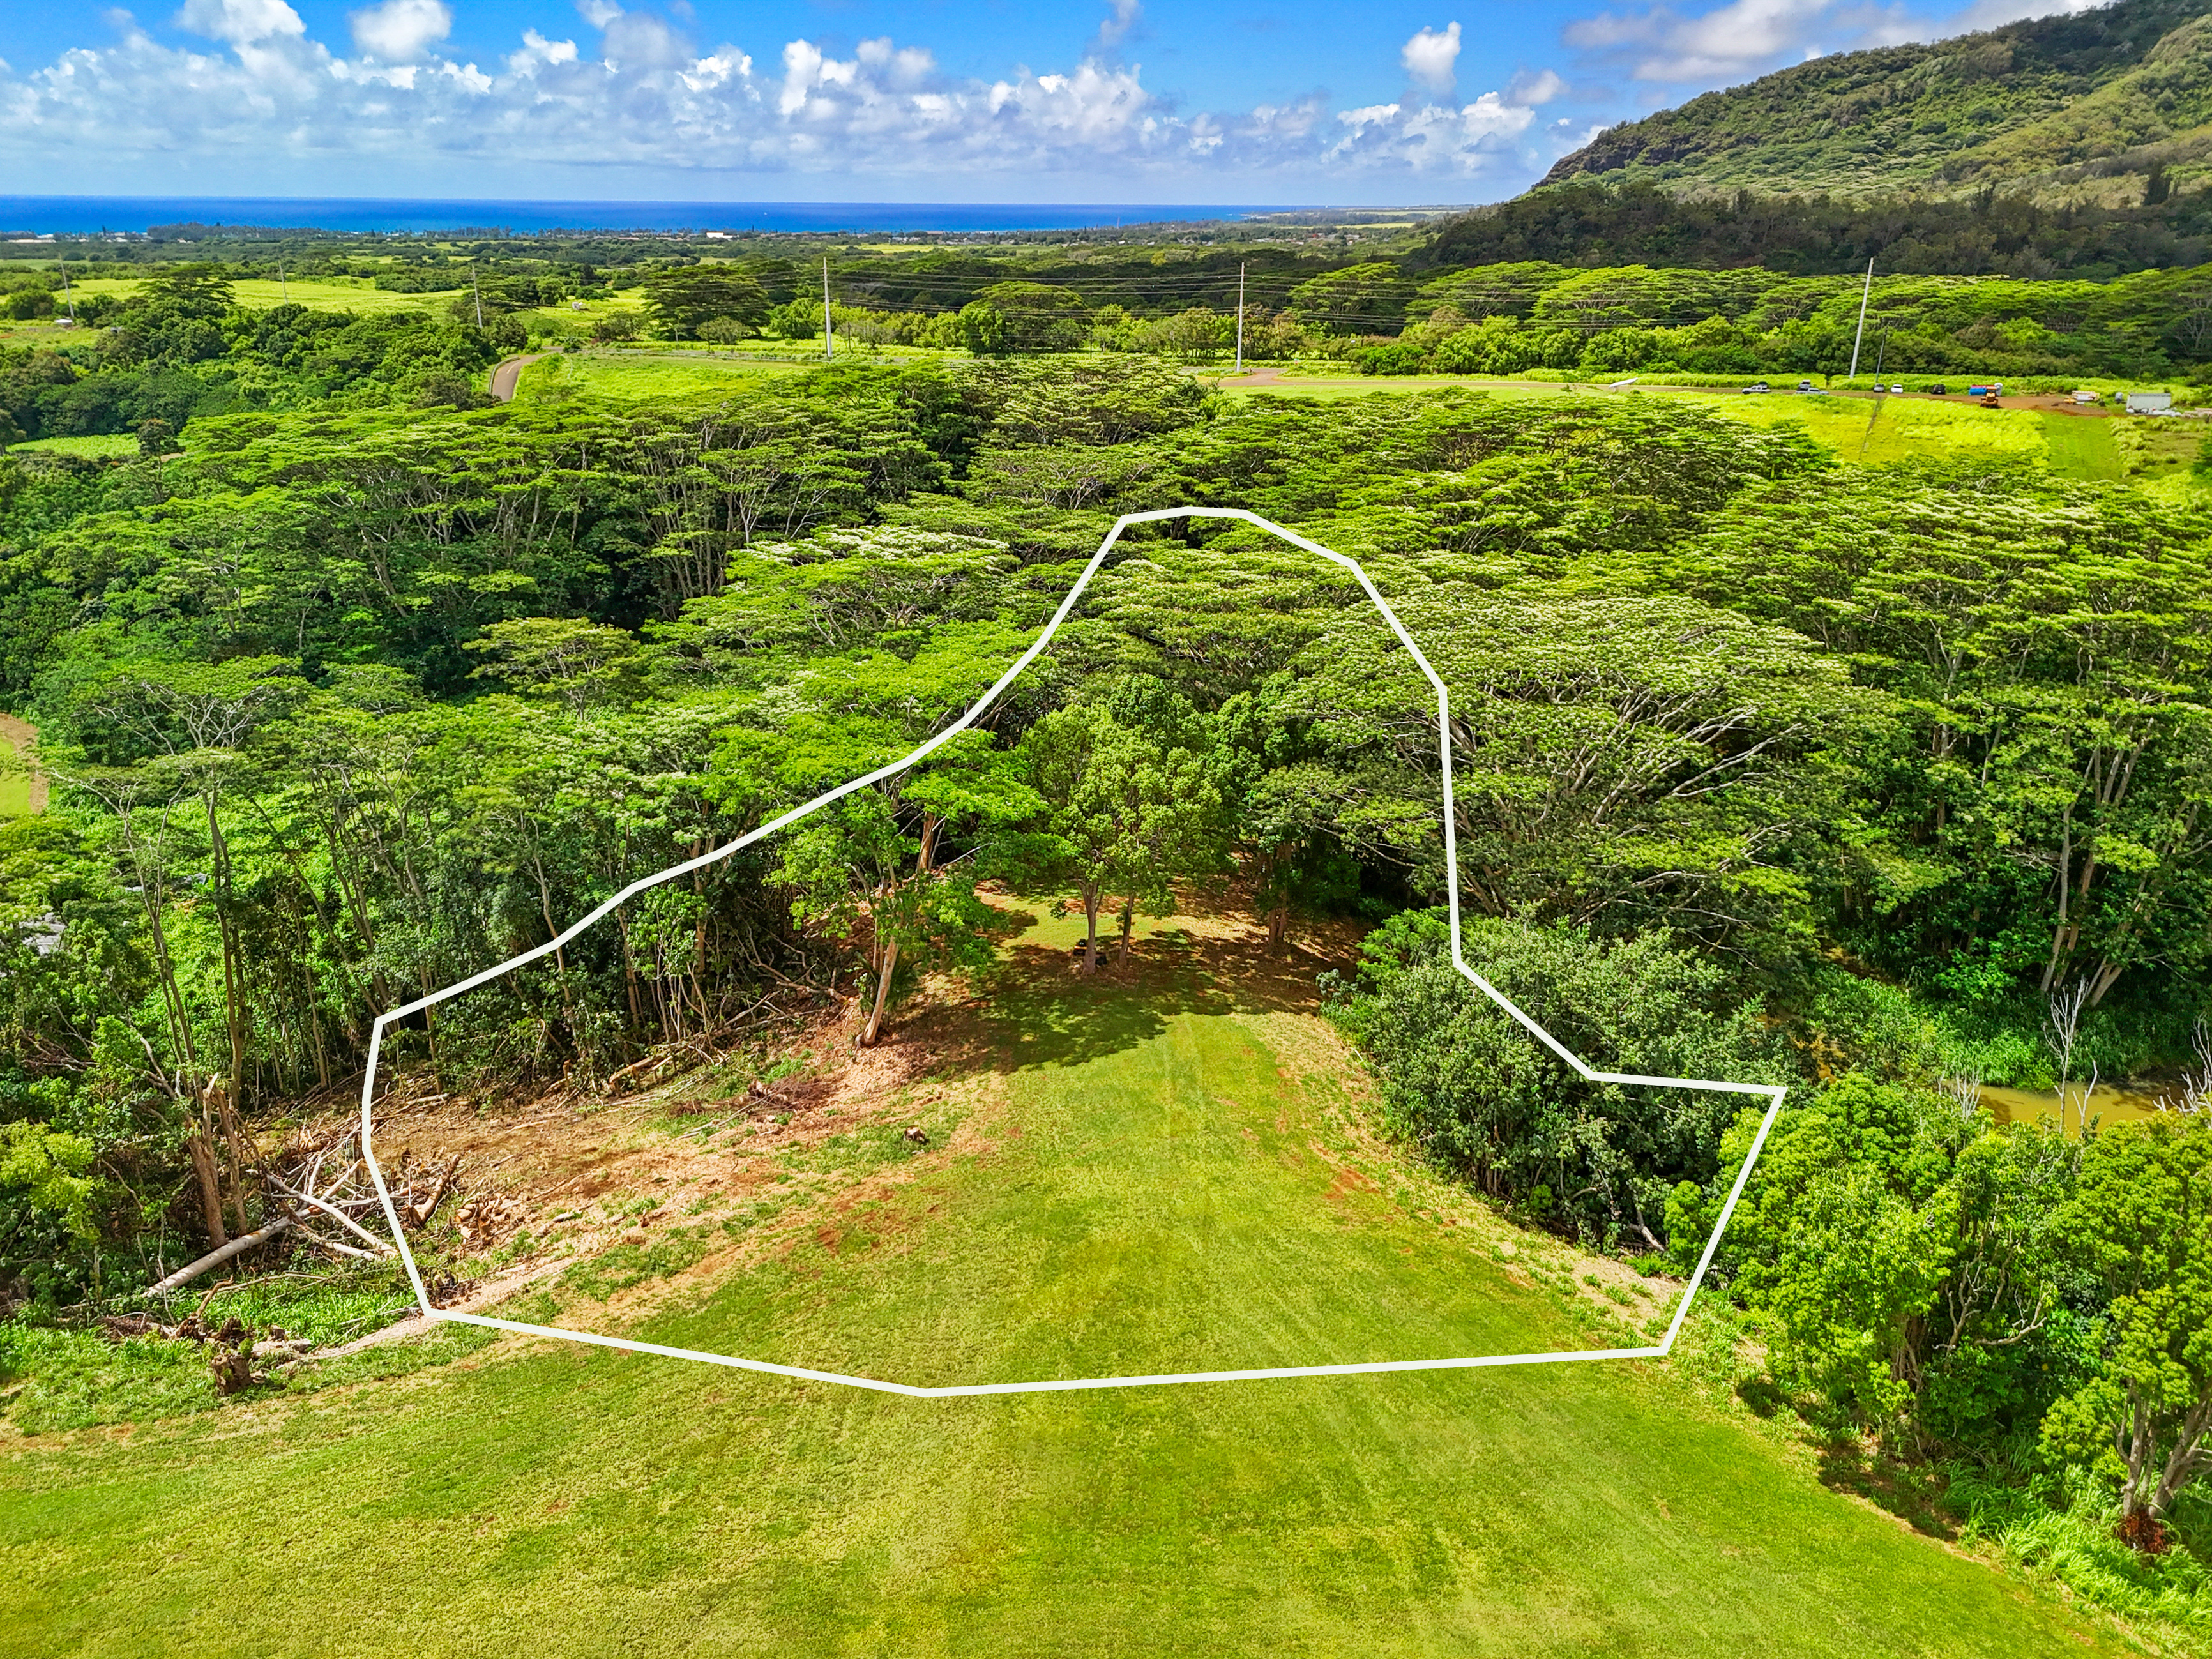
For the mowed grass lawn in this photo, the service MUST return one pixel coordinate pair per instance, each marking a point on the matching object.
(1149, 1173)
(645, 377)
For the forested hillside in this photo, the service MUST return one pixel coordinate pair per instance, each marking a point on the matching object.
(1879, 781)
(2109, 107)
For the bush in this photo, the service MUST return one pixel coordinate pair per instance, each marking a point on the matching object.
(1470, 1086)
(1402, 357)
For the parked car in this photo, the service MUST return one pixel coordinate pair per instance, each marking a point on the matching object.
(1804, 386)
(1758, 385)
(1897, 388)
(1938, 390)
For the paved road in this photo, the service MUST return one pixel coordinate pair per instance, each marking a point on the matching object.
(504, 377)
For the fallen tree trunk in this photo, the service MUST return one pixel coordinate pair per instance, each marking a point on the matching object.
(216, 1258)
(337, 1215)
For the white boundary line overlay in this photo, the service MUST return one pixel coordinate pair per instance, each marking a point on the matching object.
(1772, 1092)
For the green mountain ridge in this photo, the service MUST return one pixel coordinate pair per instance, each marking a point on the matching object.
(2108, 108)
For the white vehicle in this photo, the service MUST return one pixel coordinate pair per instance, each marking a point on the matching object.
(1897, 388)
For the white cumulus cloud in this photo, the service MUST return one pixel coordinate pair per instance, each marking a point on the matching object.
(1529, 90)
(401, 31)
(240, 22)
(1742, 40)
(394, 109)
(1432, 58)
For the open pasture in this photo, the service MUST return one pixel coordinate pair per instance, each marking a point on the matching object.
(1135, 1174)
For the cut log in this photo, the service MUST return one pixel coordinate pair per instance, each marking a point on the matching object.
(420, 1213)
(216, 1258)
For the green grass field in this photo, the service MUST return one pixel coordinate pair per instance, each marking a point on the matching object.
(2083, 447)
(644, 377)
(1859, 430)
(14, 784)
(101, 445)
(1876, 430)
(1145, 1173)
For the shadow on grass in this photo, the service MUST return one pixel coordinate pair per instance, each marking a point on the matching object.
(1912, 1492)
(1038, 1009)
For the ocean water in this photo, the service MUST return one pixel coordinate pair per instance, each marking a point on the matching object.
(90, 215)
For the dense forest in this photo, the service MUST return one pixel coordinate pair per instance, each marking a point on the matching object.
(1590, 221)
(2111, 106)
(1767, 769)
(1887, 783)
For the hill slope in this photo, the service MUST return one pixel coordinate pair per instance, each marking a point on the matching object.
(1153, 1172)
(2110, 108)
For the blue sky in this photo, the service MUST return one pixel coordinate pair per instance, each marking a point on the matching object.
(1128, 100)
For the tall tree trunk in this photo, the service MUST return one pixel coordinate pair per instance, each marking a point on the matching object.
(234, 970)
(1128, 924)
(891, 953)
(1090, 934)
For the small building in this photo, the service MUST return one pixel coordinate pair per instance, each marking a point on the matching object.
(2085, 396)
(2150, 403)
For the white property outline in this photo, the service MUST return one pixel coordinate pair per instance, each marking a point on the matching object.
(1774, 1092)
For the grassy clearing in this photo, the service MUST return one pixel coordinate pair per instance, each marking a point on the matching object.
(643, 377)
(100, 446)
(1859, 430)
(1877, 430)
(2083, 447)
(14, 784)
(1154, 1171)
(73, 1379)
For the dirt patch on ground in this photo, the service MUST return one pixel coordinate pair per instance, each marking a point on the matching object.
(568, 1177)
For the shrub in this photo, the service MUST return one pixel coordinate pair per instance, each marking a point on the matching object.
(1472, 1088)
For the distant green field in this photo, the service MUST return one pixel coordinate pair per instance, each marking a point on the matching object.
(14, 785)
(1145, 1173)
(1869, 430)
(1878, 429)
(101, 444)
(644, 377)
(2082, 448)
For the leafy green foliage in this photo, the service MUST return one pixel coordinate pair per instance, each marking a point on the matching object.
(2010, 105)
(1474, 1090)
(2143, 1212)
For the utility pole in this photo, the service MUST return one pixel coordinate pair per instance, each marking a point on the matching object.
(1864, 294)
(285, 289)
(828, 346)
(67, 293)
(479, 292)
(1240, 318)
